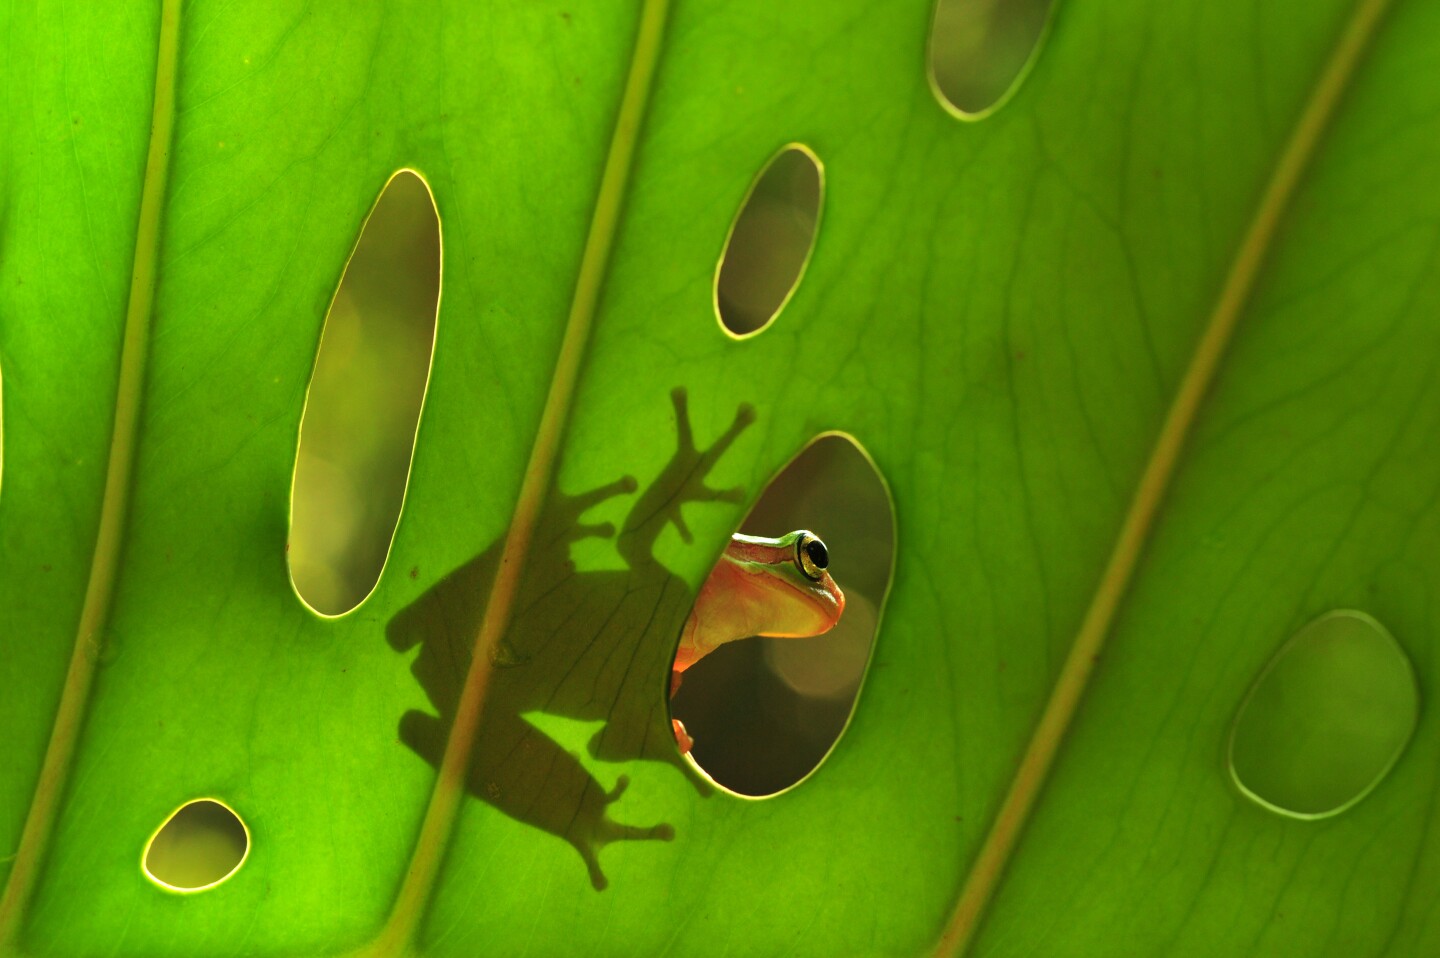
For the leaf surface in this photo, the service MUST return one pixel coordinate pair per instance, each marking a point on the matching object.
(1000, 311)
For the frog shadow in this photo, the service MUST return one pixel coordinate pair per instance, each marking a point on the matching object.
(594, 646)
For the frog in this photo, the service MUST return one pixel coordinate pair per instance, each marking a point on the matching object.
(780, 588)
(596, 646)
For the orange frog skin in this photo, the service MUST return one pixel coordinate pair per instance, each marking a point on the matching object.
(772, 587)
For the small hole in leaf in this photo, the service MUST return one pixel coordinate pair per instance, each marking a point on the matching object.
(763, 712)
(1327, 719)
(770, 242)
(200, 845)
(980, 50)
(357, 435)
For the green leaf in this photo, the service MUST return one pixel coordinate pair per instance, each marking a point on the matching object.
(1002, 311)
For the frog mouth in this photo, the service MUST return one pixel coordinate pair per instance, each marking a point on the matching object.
(801, 619)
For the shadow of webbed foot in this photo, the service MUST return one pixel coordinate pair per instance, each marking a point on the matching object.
(561, 522)
(691, 466)
(607, 831)
(683, 478)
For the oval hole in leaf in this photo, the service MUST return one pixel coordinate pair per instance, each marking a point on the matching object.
(980, 50)
(764, 712)
(201, 844)
(770, 241)
(1327, 719)
(357, 436)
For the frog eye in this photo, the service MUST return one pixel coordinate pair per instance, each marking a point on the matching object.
(811, 556)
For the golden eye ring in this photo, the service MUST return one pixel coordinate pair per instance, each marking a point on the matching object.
(811, 556)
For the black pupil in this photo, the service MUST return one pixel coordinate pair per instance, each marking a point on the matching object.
(815, 549)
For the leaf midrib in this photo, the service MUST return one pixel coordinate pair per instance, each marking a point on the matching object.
(989, 864)
(114, 508)
(396, 937)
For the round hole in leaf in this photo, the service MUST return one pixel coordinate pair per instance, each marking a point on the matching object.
(200, 845)
(770, 241)
(1327, 719)
(980, 50)
(764, 712)
(357, 435)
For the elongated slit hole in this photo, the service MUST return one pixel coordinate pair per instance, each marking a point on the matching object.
(770, 242)
(362, 409)
(980, 51)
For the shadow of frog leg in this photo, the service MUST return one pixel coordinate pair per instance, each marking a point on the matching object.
(527, 776)
(681, 481)
(609, 831)
(530, 778)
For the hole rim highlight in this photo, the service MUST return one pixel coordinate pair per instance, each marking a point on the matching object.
(821, 187)
(1041, 39)
(176, 889)
(1276, 657)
